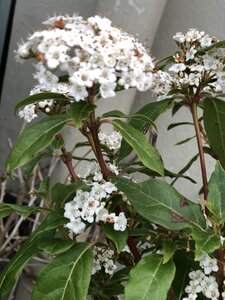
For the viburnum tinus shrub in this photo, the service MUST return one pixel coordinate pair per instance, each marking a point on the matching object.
(146, 241)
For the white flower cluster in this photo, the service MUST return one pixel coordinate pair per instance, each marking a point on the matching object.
(91, 53)
(192, 66)
(103, 258)
(201, 283)
(89, 207)
(29, 112)
(112, 141)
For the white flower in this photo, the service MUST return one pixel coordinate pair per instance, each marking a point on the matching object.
(120, 222)
(82, 78)
(190, 54)
(193, 288)
(113, 168)
(76, 226)
(109, 187)
(179, 37)
(107, 90)
(110, 267)
(98, 191)
(79, 92)
(176, 68)
(28, 113)
(208, 264)
(128, 79)
(206, 41)
(106, 75)
(212, 292)
(98, 176)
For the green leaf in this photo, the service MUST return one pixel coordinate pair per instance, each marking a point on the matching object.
(173, 125)
(34, 139)
(169, 248)
(27, 250)
(62, 193)
(8, 209)
(80, 112)
(55, 246)
(214, 121)
(118, 237)
(144, 119)
(57, 143)
(185, 141)
(66, 277)
(115, 114)
(39, 97)
(160, 203)
(44, 187)
(216, 195)
(205, 242)
(150, 279)
(152, 111)
(148, 172)
(185, 168)
(164, 62)
(145, 151)
(29, 167)
(177, 106)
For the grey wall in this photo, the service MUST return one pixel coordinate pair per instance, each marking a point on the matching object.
(155, 21)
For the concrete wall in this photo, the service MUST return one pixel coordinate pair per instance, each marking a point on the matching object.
(155, 21)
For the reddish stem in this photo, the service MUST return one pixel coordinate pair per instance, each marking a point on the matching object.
(200, 149)
(67, 159)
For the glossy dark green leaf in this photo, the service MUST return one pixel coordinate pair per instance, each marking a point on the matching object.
(118, 237)
(66, 276)
(55, 246)
(34, 139)
(150, 279)
(27, 251)
(214, 121)
(160, 203)
(39, 97)
(145, 151)
(152, 111)
(80, 112)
